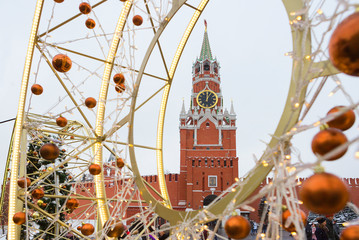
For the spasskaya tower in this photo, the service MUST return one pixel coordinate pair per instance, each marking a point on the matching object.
(208, 160)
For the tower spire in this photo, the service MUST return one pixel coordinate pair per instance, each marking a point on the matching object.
(206, 49)
(232, 108)
(183, 111)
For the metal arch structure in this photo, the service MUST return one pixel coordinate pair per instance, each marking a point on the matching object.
(13, 230)
(298, 85)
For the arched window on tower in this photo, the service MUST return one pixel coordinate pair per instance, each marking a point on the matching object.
(206, 66)
(197, 69)
(215, 67)
(207, 124)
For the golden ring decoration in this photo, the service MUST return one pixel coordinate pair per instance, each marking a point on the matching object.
(297, 90)
(290, 115)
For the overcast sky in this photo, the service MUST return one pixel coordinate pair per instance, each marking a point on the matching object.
(249, 39)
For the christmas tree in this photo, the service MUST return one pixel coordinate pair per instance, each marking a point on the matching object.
(55, 184)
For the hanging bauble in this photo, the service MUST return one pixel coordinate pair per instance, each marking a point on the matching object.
(350, 233)
(324, 193)
(37, 89)
(90, 102)
(37, 193)
(19, 218)
(237, 227)
(49, 151)
(327, 140)
(119, 78)
(343, 121)
(90, 23)
(291, 228)
(85, 8)
(344, 47)
(120, 88)
(35, 215)
(113, 228)
(87, 229)
(61, 121)
(79, 228)
(95, 169)
(39, 203)
(120, 163)
(72, 203)
(21, 182)
(137, 20)
(58, 1)
(62, 63)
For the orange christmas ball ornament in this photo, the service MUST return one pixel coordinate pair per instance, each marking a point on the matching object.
(324, 193)
(79, 228)
(137, 20)
(350, 233)
(85, 8)
(237, 227)
(113, 228)
(87, 229)
(119, 78)
(61, 63)
(72, 203)
(49, 151)
(291, 228)
(343, 121)
(120, 87)
(90, 23)
(21, 182)
(19, 218)
(90, 102)
(37, 89)
(327, 140)
(120, 163)
(95, 169)
(344, 47)
(61, 121)
(38, 193)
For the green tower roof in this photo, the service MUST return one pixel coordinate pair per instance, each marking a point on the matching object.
(206, 49)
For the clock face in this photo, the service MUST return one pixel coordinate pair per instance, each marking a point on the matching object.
(207, 99)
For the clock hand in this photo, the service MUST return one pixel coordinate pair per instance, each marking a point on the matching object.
(207, 96)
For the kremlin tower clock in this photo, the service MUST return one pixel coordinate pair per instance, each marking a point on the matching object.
(208, 161)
